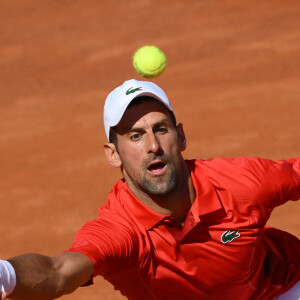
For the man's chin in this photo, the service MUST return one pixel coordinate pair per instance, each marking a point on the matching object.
(161, 190)
(160, 186)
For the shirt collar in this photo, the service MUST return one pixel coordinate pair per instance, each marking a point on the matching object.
(206, 201)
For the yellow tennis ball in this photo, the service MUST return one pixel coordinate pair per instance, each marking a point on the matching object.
(149, 61)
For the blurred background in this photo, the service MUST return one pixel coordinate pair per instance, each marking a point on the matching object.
(233, 77)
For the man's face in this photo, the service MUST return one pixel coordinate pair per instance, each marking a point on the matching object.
(150, 148)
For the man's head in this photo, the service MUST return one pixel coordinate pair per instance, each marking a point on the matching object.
(113, 130)
(149, 143)
(119, 99)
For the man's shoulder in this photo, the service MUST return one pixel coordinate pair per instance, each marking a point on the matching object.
(227, 169)
(115, 210)
(229, 162)
(114, 203)
(112, 226)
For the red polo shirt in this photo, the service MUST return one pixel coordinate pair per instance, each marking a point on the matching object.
(223, 250)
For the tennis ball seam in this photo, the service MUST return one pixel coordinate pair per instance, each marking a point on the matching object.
(146, 71)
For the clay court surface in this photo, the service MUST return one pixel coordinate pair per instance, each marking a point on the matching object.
(233, 76)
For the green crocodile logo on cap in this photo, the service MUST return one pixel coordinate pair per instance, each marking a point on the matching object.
(132, 90)
(228, 236)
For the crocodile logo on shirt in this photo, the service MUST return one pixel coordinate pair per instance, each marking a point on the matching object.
(228, 236)
(132, 90)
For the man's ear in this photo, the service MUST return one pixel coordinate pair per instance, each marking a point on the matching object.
(181, 137)
(112, 155)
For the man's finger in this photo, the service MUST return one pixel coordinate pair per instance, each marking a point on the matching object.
(3, 296)
(2, 292)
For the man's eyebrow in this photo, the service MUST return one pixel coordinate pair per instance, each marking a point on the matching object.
(162, 122)
(136, 129)
(154, 126)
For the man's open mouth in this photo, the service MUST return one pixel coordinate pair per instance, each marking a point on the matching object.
(157, 168)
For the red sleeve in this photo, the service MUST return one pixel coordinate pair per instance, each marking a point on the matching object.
(280, 180)
(290, 170)
(274, 181)
(107, 242)
(255, 183)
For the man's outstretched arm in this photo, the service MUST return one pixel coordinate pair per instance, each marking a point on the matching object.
(42, 277)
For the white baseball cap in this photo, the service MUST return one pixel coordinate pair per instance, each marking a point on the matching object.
(119, 99)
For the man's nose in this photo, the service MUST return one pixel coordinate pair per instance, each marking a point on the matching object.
(153, 144)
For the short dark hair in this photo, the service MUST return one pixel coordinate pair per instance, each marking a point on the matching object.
(113, 137)
(113, 133)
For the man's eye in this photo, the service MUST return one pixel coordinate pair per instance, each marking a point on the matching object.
(135, 137)
(162, 129)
